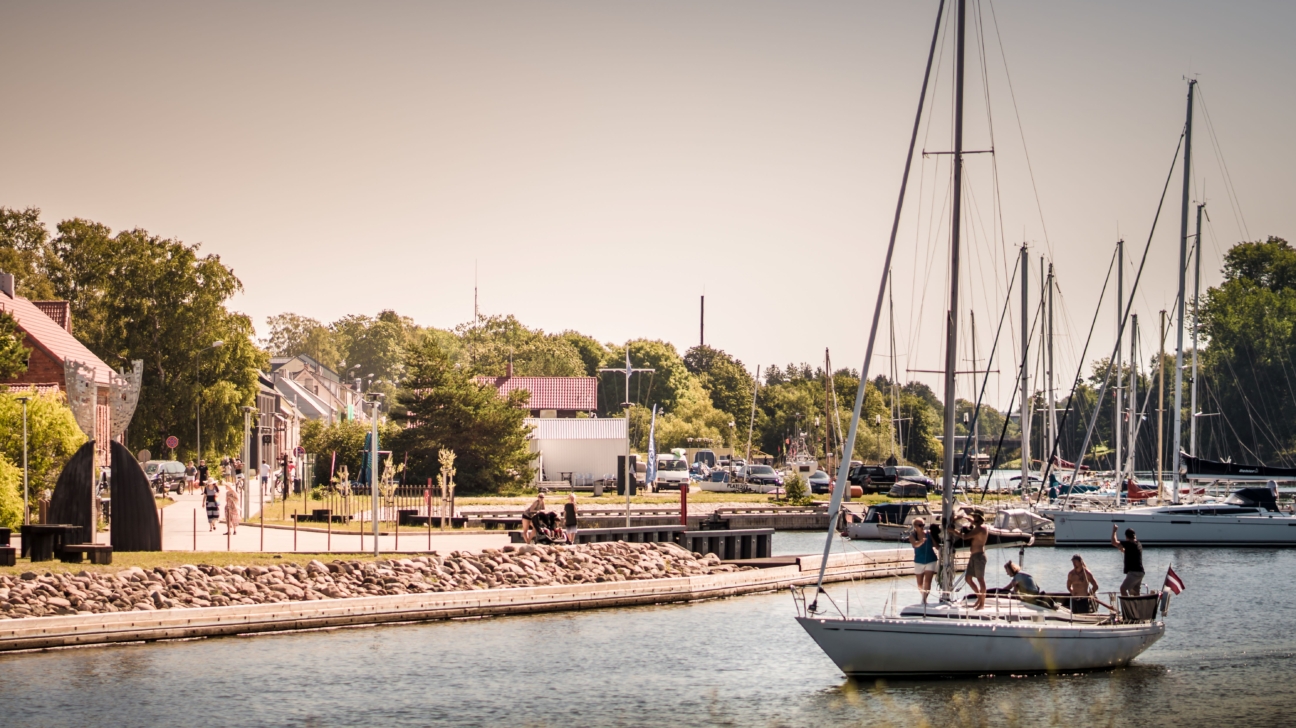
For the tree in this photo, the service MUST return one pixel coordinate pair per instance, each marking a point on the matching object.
(345, 438)
(492, 342)
(291, 334)
(13, 355)
(1250, 322)
(591, 352)
(724, 378)
(662, 387)
(444, 408)
(138, 296)
(378, 345)
(52, 436)
(11, 510)
(24, 251)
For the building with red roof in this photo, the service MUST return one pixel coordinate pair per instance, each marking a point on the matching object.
(550, 396)
(47, 326)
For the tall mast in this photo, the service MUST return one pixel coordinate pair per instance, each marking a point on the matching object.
(1025, 370)
(1052, 403)
(895, 376)
(951, 318)
(1161, 407)
(976, 422)
(1133, 396)
(1197, 251)
(1117, 404)
(1179, 325)
(828, 448)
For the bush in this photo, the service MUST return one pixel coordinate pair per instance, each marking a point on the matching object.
(795, 489)
(10, 494)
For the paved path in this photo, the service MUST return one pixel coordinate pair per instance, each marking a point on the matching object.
(178, 535)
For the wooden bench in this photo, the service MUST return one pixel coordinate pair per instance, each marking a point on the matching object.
(73, 552)
(8, 554)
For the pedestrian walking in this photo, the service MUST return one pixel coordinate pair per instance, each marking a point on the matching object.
(202, 474)
(570, 522)
(191, 476)
(210, 491)
(1133, 551)
(232, 509)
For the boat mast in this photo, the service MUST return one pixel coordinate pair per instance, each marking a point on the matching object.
(976, 421)
(1179, 325)
(1052, 403)
(1025, 370)
(828, 448)
(751, 424)
(842, 467)
(951, 318)
(1133, 398)
(1118, 405)
(1161, 408)
(1197, 251)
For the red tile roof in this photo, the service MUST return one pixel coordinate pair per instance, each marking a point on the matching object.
(59, 311)
(45, 333)
(550, 393)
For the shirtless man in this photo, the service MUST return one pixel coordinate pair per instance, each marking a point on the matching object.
(1082, 585)
(975, 574)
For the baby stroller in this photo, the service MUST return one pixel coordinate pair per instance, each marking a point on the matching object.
(547, 530)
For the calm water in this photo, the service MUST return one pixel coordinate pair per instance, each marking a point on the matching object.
(1226, 659)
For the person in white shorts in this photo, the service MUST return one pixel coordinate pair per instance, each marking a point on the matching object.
(925, 559)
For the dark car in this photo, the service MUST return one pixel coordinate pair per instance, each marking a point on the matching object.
(165, 475)
(907, 489)
(820, 482)
(880, 478)
(764, 475)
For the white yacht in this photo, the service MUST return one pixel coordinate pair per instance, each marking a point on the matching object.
(1248, 517)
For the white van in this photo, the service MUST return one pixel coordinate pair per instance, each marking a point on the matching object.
(672, 472)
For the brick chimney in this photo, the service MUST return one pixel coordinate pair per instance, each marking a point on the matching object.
(508, 373)
(7, 284)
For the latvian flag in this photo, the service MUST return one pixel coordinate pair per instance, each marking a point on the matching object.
(1173, 582)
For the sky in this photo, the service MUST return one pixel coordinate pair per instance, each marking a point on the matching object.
(598, 166)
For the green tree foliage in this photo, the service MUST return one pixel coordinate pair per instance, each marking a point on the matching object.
(291, 334)
(694, 422)
(11, 511)
(52, 436)
(346, 439)
(377, 344)
(492, 341)
(663, 387)
(138, 296)
(13, 355)
(1250, 364)
(591, 352)
(724, 378)
(444, 408)
(24, 252)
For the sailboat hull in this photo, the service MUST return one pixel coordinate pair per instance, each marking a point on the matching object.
(937, 647)
(1174, 527)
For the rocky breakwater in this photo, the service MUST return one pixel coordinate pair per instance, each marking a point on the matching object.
(33, 595)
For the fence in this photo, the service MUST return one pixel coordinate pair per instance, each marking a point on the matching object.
(406, 505)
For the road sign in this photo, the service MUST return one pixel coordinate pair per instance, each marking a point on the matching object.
(173, 442)
(144, 456)
(299, 451)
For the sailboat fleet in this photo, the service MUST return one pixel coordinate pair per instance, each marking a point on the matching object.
(1012, 634)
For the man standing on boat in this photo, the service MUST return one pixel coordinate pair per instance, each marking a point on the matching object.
(975, 574)
(1133, 551)
(1082, 585)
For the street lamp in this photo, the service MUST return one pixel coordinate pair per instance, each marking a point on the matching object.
(373, 466)
(26, 507)
(247, 460)
(197, 380)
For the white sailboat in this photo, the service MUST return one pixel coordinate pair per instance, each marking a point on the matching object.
(1008, 635)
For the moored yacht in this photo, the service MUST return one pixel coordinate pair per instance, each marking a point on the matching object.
(1248, 517)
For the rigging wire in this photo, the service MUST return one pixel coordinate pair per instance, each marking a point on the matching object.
(1229, 189)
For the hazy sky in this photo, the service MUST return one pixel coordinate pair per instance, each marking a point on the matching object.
(603, 163)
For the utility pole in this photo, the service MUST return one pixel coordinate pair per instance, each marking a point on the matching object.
(701, 323)
(629, 370)
(1197, 251)
(1179, 325)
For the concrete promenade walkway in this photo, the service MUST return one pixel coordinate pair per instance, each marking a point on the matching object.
(178, 535)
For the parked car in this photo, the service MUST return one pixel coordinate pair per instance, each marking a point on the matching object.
(820, 482)
(880, 478)
(165, 475)
(763, 475)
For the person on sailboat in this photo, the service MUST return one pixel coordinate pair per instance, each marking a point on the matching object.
(1024, 584)
(975, 574)
(925, 560)
(1082, 586)
(1133, 551)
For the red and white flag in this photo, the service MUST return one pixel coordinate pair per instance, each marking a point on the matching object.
(1173, 582)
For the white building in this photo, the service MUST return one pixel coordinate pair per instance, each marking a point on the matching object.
(584, 447)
